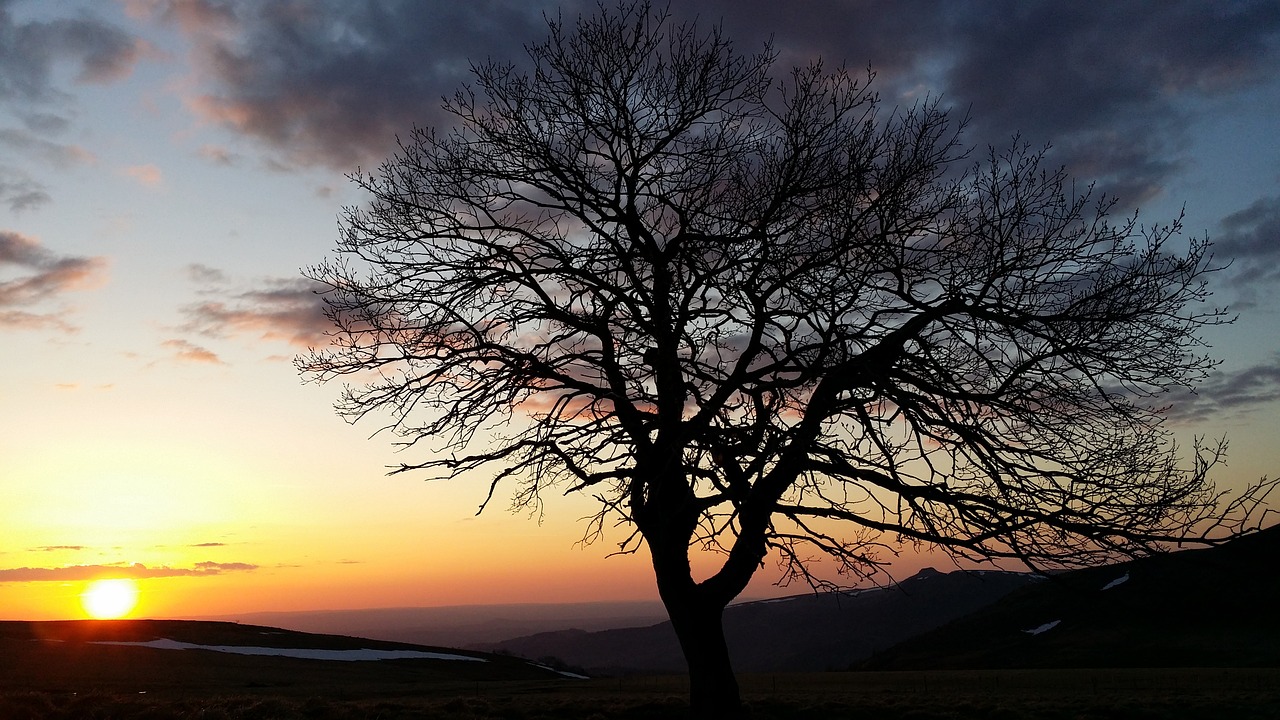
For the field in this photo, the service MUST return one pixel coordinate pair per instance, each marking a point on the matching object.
(1058, 695)
(63, 671)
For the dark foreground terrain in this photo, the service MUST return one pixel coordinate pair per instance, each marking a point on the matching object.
(1034, 695)
(61, 671)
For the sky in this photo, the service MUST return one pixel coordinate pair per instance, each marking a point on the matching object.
(168, 167)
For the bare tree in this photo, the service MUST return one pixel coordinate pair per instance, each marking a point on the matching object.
(764, 316)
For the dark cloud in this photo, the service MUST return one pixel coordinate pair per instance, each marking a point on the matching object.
(1230, 394)
(1105, 82)
(1250, 241)
(279, 310)
(46, 151)
(332, 82)
(30, 52)
(208, 545)
(41, 276)
(100, 53)
(899, 38)
(19, 191)
(44, 123)
(1252, 234)
(56, 548)
(136, 571)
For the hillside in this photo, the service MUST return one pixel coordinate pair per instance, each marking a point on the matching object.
(1212, 607)
(801, 633)
(148, 656)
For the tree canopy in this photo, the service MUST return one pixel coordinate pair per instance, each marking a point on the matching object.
(769, 315)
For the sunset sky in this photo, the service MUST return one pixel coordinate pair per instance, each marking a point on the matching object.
(168, 166)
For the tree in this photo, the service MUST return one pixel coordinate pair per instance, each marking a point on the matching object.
(765, 316)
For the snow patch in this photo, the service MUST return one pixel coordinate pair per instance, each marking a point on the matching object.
(562, 673)
(1118, 581)
(1043, 628)
(302, 653)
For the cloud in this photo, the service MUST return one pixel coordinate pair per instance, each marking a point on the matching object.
(43, 122)
(1230, 393)
(214, 568)
(1250, 239)
(279, 309)
(56, 548)
(19, 191)
(22, 320)
(193, 16)
(42, 275)
(100, 52)
(205, 275)
(46, 151)
(332, 82)
(147, 175)
(30, 51)
(137, 571)
(219, 155)
(1107, 84)
(189, 352)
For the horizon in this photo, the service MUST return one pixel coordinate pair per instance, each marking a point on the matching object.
(167, 168)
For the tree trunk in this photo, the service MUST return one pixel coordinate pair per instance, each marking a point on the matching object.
(713, 689)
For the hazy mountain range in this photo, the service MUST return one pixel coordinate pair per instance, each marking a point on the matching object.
(1196, 608)
(461, 625)
(805, 632)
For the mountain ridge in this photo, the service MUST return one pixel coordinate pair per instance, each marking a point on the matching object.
(1207, 607)
(810, 632)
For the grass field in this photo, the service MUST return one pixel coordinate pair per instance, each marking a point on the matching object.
(1202, 694)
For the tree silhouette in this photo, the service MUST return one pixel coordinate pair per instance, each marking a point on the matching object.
(764, 316)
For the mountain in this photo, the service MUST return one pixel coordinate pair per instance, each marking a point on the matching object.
(140, 656)
(802, 633)
(1213, 607)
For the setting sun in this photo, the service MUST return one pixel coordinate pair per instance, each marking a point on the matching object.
(110, 599)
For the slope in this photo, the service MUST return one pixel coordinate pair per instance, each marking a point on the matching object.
(1214, 607)
(189, 656)
(801, 633)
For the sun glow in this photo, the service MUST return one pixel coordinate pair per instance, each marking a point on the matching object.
(110, 599)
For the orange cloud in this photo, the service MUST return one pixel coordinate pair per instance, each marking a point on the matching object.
(190, 352)
(42, 276)
(148, 175)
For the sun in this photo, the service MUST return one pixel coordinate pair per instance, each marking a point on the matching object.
(110, 599)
